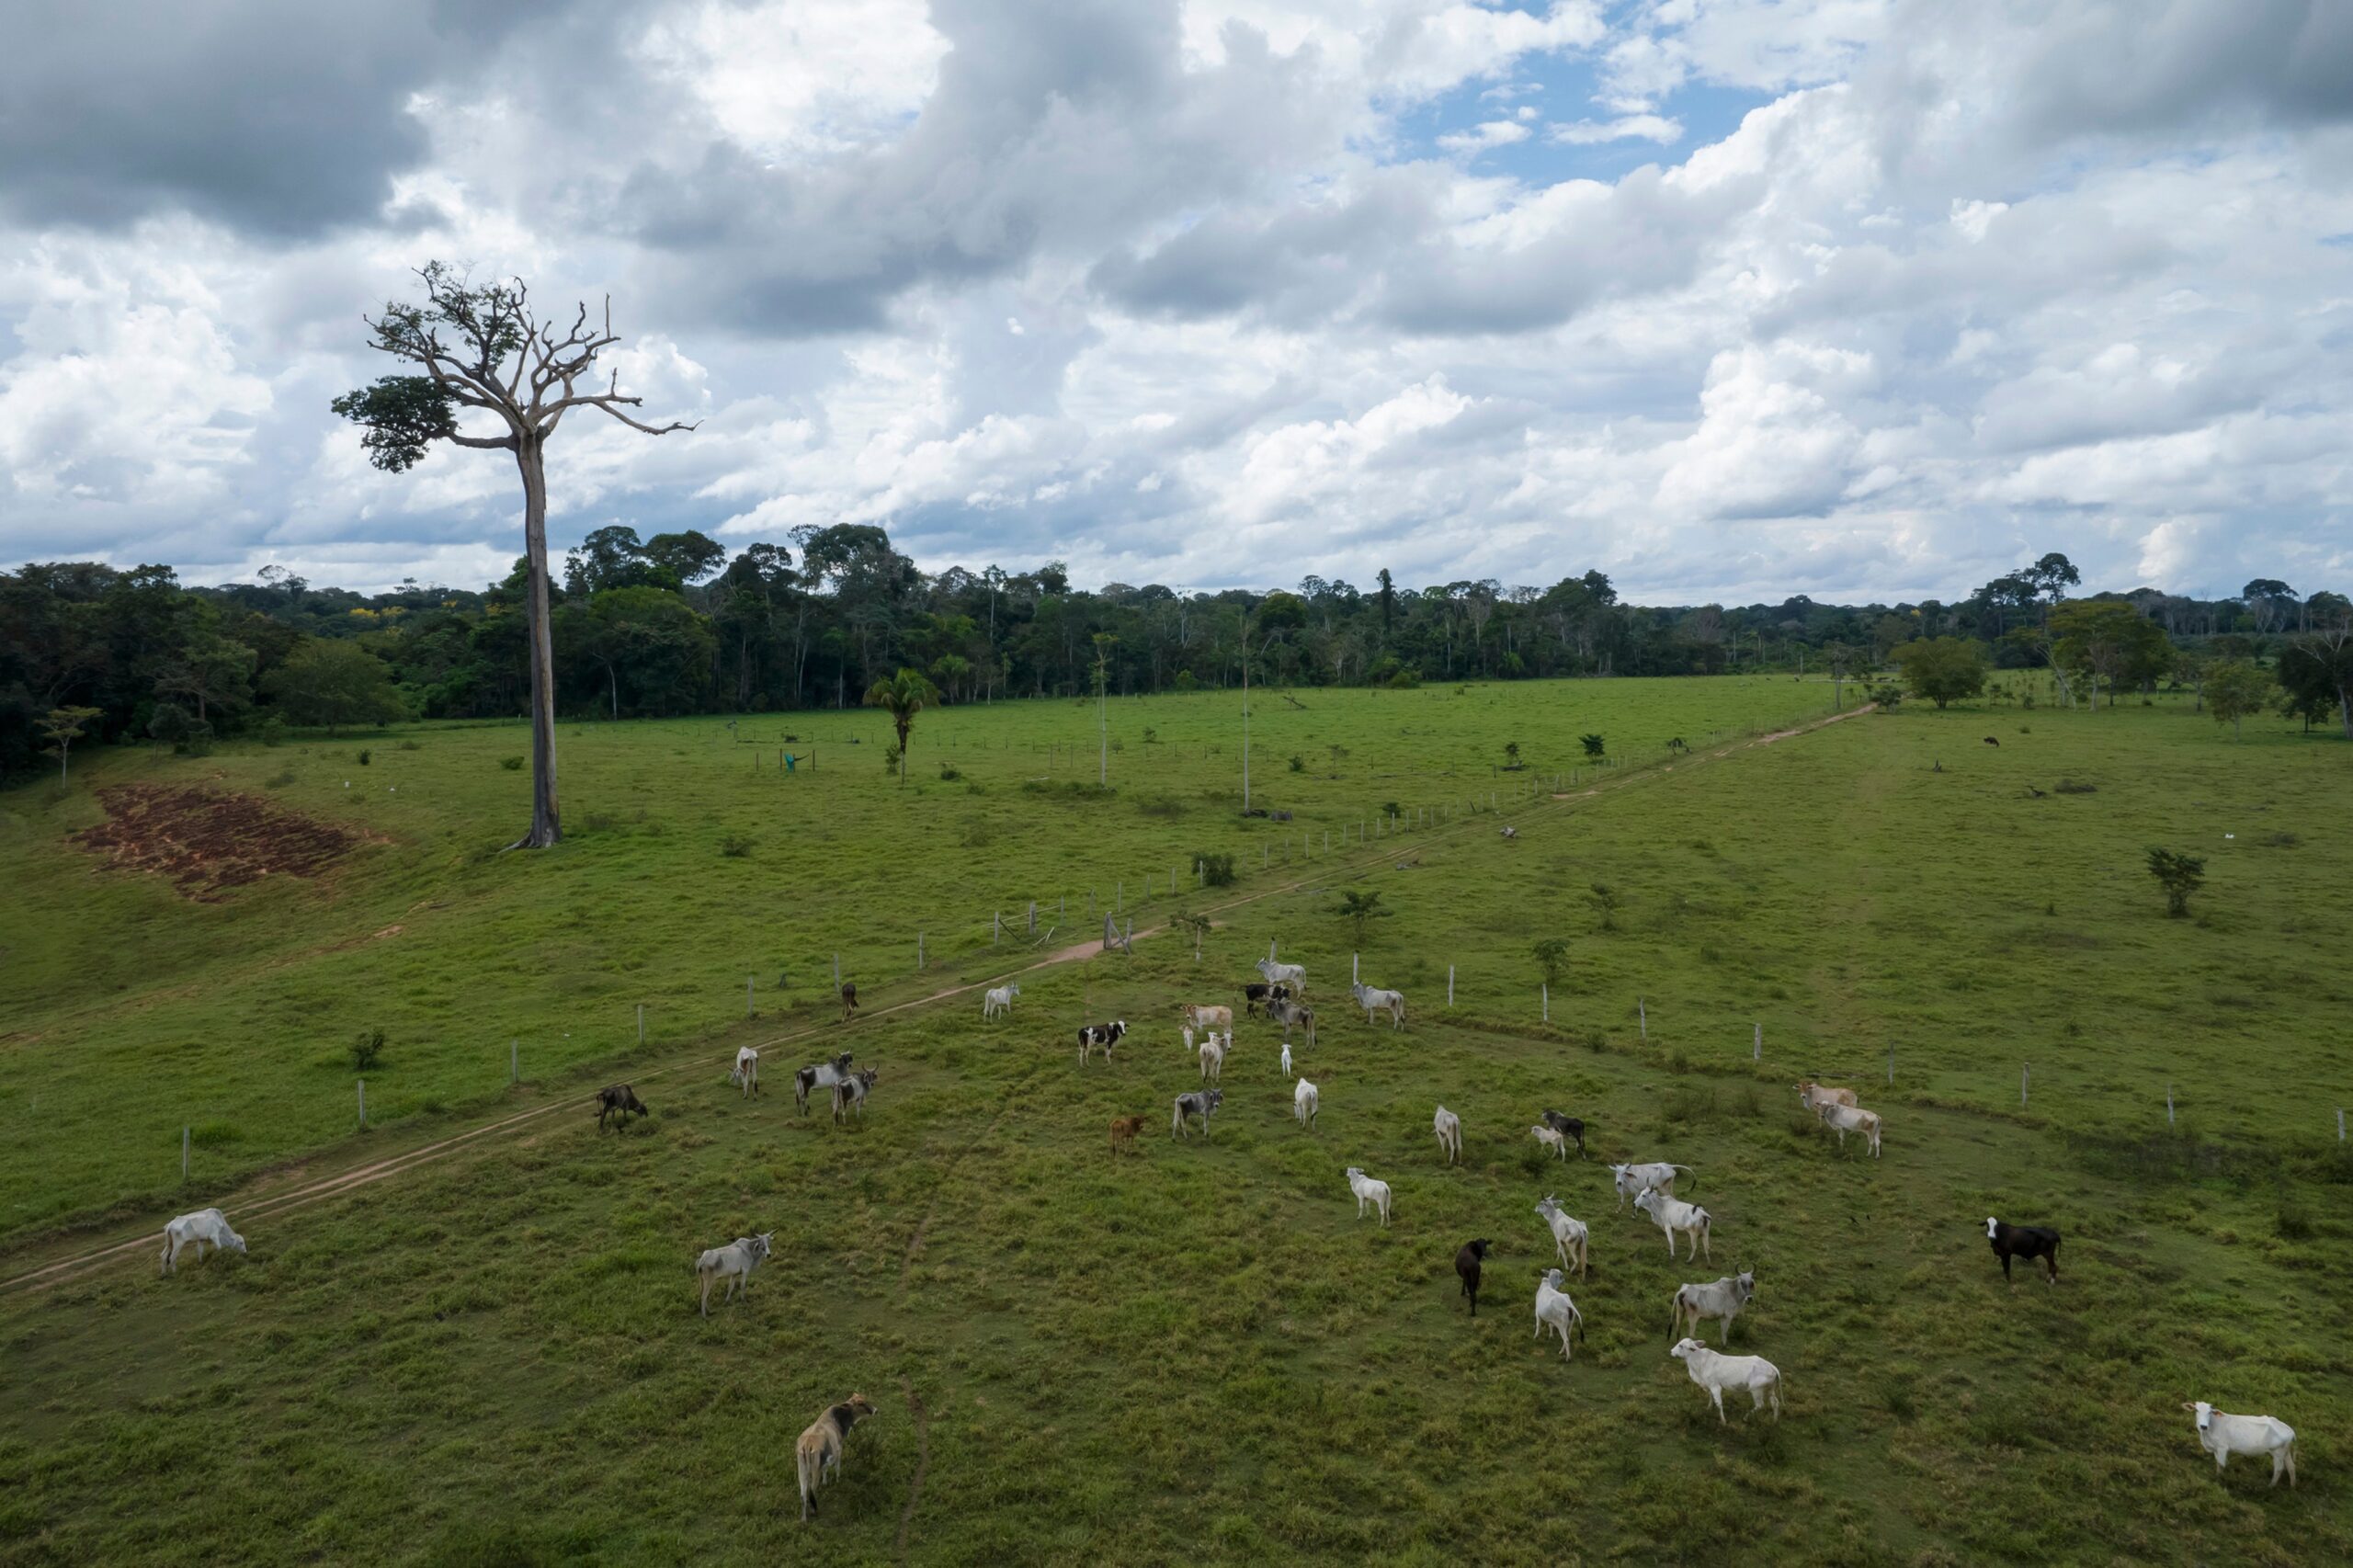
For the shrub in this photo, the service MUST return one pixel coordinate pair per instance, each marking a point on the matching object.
(363, 756)
(1217, 868)
(1405, 680)
(1887, 694)
(891, 759)
(736, 847)
(270, 731)
(512, 763)
(367, 1050)
(1606, 899)
(1551, 958)
(1593, 745)
(1151, 737)
(1186, 680)
(1298, 763)
(948, 775)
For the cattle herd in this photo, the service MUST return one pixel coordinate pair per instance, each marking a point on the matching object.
(1279, 996)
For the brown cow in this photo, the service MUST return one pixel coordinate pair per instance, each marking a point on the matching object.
(1123, 1132)
(849, 1001)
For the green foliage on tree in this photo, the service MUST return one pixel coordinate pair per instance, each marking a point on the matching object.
(1593, 745)
(902, 695)
(2180, 875)
(1551, 958)
(1606, 899)
(335, 684)
(60, 727)
(367, 1050)
(2108, 640)
(1941, 669)
(1217, 867)
(1359, 908)
(2316, 675)
(2234, 690)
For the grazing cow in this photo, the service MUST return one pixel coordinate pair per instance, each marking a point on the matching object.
(1557, 1311)
(1814, 1096)
(1100, 1036)
(206, 1227)
(1292, 1014)
(1123, 1132)
(1254, 996)
(850, 1094)
(821, 1076)
(2223, 1434)
(619, 1100)
(820, 1448)
(1634, 1180)
(1201, 1016)
(2028, 1242)
(1716, 1373)
(1202, 1103)
(1722, 1301)
(1511, 832)
(849, 1001)
(1674, 1215)
(732, 1263)
(746, 1075)
(1991, 741)
(998, 999)
(1846, 1118)
(1568, 1127)
(1213, 1057)
(1374, 1000)
(1287, 1058)
(1304, 1100)
(1369, 1191)
(1466, 1263)
(1570, 1238)
(1290, 974)
(1450, 1134)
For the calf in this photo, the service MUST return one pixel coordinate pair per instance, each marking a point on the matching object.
(1567, 1127)
(1551, 1139)
(1123, 1132)
(820, 1448)
(1450, 1134)
(1303, 1102)
(1676, 1216)
(1466, 1263)
(1287, 1058)
(1100, 1036)
(2223, 1436)
(1555, 1311)
(998, 999)
(849, 1001)
(1369, 1191)
(2028, 1242)
(1570, 1238)
(1199, 1017)
(746, 1075)
(1722, 1301)
(1202, 1103)
(1814, 1096)
(206, 1227)
(1632, 1181)
(732, 1263)
(1213, 1056)
(619, 1100)
(850, 1094)
(1716, 1373)
(821, 1076)
(1847, 1118)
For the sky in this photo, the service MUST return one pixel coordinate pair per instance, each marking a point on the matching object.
(1858, 298)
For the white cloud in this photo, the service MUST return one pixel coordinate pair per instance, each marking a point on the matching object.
(1485, 137)
(1642, 127)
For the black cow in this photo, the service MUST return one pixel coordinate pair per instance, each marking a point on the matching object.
(1568, 1127)
(1252, 995)
(2028, 1242)
(620, 1100)
(1466, 1263)
(1102, 1037)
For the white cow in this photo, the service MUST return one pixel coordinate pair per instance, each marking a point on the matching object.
(998, 999)
(1450, 1134)
(206, 1227)
(732, 1263)
(1570, 1238)
(1285, 1059)
(1369, 1191)
(746, 1075)
(1675, 1215)
(1715, 1371)
(1847, 1118)
(1814, 1096)
(1303, 1099)
(1374, 1000)
(1212, 1054)
(2223, 1436)
(1201, 1015)
(1632, 1181)
(1550, 1138)
(1290, 974)
(1555, 1311)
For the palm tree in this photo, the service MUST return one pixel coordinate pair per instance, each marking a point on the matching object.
(904, 695)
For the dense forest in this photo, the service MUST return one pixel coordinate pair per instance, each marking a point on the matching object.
(671, 625)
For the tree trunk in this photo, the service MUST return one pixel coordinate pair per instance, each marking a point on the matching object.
(546, 827)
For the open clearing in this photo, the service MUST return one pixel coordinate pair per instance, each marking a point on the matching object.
(1199, 1353)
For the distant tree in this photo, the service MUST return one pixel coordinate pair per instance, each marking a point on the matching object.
(1356, 908)
(954, 671)
(1511, 754)
(2235, 689)
(1941, 668)
(1842, 657)
(2316, 669)
(1551, 958)
(60, 727)
(1593, 745)
(686, 557)
(902, 695)
(335, 684)
(2268, 601)
(2108, 639)
(2180, 875)
(215, 671)
(485, 350)
(1606, 899)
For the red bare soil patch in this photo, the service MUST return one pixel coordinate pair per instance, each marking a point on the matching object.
(210, 843)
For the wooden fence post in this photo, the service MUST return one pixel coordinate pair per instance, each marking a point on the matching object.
(1354, 975)
(1450, 986)
(1545, 990)
(1643, 1012)
(363, 1104)
(918, 949)
(2168, 1104)
(514, 1061)
(1757, 1047)
(1033, 918)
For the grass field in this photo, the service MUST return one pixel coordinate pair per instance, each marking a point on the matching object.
(1201, 1352)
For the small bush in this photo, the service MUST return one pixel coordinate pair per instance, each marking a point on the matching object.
(1298, 763)
(736, 847)
(363, 756)
(367, 1050)
(1217, 870)
(270, 731)
(1595, 1040)
(948, 775)
(1151, 737)
(2069, 786)
(512, 763)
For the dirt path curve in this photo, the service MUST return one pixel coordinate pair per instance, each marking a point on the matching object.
(271, 1205)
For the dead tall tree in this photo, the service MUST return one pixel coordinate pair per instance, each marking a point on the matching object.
(486, 350)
